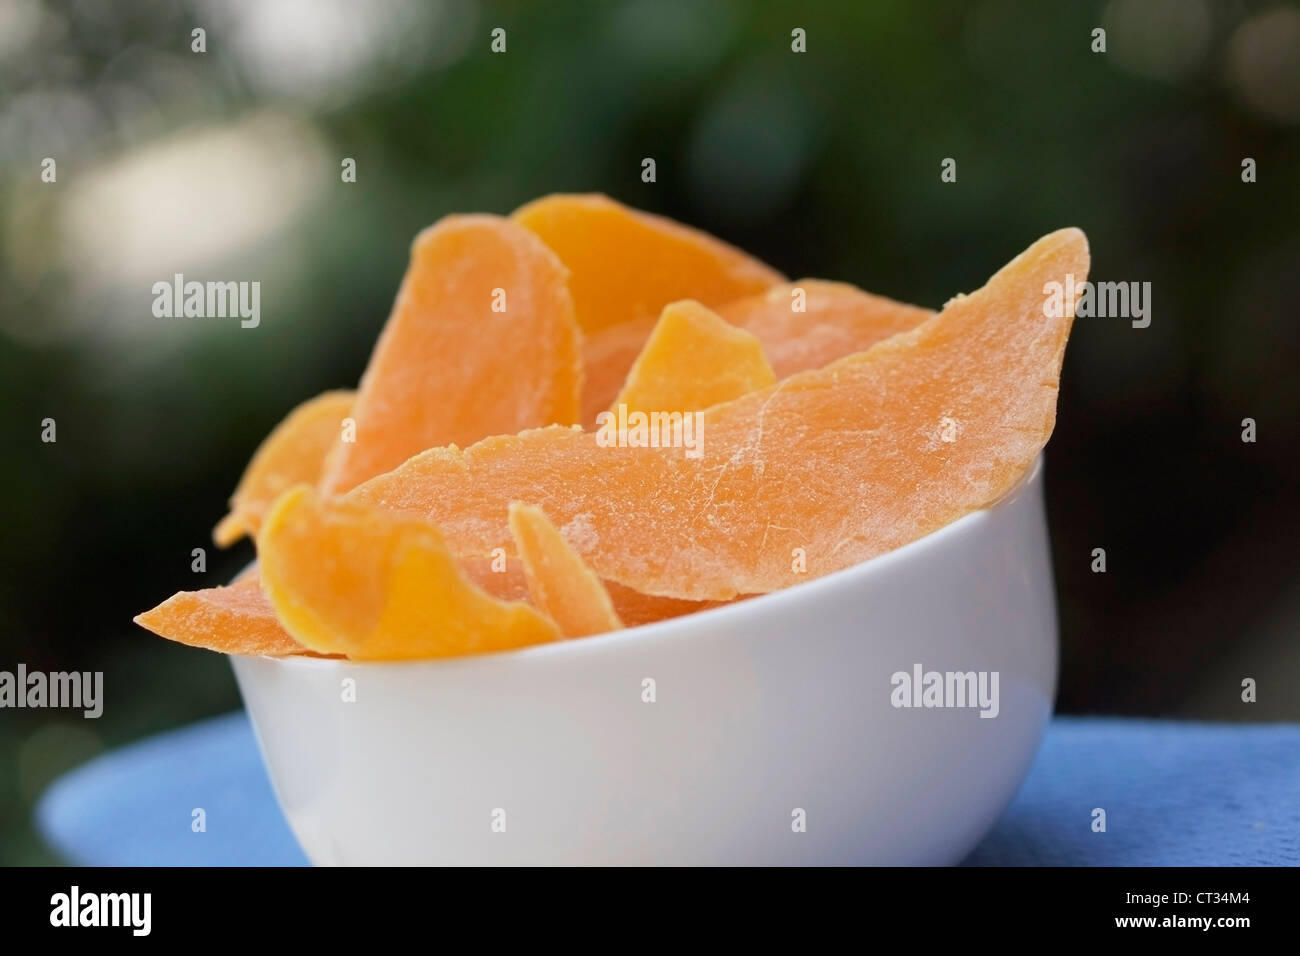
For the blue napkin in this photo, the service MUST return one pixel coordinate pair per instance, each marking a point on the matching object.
(135, 806)
(1175, 794)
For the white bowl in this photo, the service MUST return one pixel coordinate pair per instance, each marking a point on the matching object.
(763, 709)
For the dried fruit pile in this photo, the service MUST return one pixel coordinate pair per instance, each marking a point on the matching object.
(470, 496)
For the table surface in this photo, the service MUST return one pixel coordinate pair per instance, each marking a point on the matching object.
(1175, 794)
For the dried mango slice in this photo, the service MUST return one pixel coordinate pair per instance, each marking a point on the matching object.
(607, 357)
(482, 341)
(836, 320)
(240, 620)
(692, 360)
(347, 578)
(507, 584)
(627, 264)
(562, 587)
(503, 577)
(630, 606)
(635, 608)
(823, 470)
(294, 452)
(233, 620)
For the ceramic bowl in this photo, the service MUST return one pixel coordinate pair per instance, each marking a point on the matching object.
(785, 729)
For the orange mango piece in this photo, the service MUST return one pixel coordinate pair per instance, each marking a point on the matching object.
(562, 587)
(239, 619)
(837, 319)
(692, 360)
(634, 608)
(295, 452)
(627, 264)
(607, 357)
(347, 578)
(845, 462)
(482, 341)
(232, 620)
(630, 606)
(504, 578)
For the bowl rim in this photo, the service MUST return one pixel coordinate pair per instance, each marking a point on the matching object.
(674, 627)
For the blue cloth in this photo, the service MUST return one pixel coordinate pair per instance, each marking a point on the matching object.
(135, 806)
(1175, 794)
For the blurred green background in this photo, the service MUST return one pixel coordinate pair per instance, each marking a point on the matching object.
(225, 164)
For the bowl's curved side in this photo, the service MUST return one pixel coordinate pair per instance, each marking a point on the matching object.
(772, 731)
